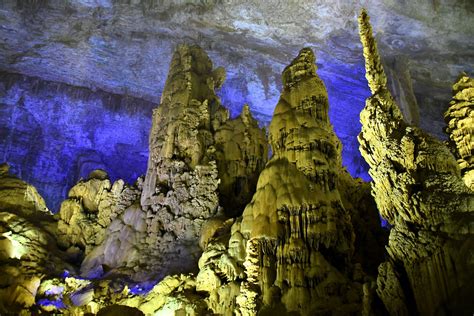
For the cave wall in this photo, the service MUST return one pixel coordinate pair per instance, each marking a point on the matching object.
(124, 47)
(53, 134)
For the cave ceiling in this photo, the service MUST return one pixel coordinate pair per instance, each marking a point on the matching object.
(125, 47)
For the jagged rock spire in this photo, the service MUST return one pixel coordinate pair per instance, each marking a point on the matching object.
(192, 144)
(418, 188)
(374, 70)
(296, 226)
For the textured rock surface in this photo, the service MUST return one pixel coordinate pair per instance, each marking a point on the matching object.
(292, 249)
(89, 210)
(180, 190)
(53, 134)
(147, 231)
(103, 40)
(309, 240)
(460, 120)
(28, 250)
(19, 196)
(418, 188)
(241, 153)
(124, 47)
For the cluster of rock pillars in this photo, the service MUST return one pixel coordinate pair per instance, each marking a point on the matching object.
(224, 230)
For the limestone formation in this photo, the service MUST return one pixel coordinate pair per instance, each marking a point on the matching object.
(460, 120)
(91, 206)
(241, 154)
(418, 188)
(17, 195)
(292, 249)
(28, 250)
(213, 228)
(193, 145)
(299, 235)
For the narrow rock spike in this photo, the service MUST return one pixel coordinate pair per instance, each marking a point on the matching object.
(374, 72)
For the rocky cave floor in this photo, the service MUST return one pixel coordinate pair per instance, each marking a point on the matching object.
(217, 226)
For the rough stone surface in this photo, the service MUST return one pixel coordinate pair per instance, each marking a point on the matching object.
(241, 154)
(19, 196)
(190, 132)
(124, 47)
(54, 134)
(28, 249)
(89, 210)
(460, 120)
(292, 251)
(309, 239)
(418, 188)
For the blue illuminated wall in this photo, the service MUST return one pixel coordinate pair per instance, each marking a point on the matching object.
(346, 100)
(53, 134)
(347, 91)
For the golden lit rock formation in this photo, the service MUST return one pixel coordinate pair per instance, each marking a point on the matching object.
(460, 120)
(91, 206)
(213, 228)
(418, 188)
(17, 195)
(292, 250)
(299, 236)
(193, 145)
(28, 250)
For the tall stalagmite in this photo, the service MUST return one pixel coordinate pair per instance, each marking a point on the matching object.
(191, 148)
(292, 249)
(299, 235)
(418, 188)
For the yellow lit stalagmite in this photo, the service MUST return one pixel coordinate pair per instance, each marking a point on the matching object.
(299, 235)
(292, 250)
(418, 188)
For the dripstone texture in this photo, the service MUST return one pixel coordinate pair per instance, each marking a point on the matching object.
(213, 228)
(91, 206)
(293, 248)
(460, 120)
(418, 188)
(180, 189)
(124, 48)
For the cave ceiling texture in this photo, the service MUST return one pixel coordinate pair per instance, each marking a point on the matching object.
(79, 79)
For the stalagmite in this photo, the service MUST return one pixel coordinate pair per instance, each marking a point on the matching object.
(292, 250)
(418, 188)
(214, 227)
(296, 221)
(196, 153)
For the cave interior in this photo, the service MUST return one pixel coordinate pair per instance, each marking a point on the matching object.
(236, 157)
